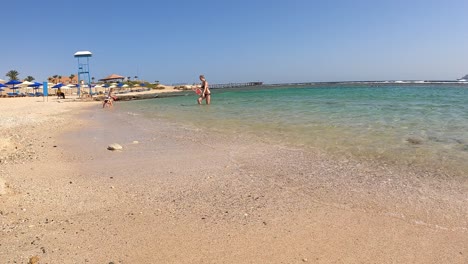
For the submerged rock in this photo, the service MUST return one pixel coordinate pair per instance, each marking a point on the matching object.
(414, 141)
(114, 146)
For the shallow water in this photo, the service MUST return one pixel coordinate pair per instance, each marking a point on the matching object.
(425, 125)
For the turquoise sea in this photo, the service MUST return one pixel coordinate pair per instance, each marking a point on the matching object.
(404, 124)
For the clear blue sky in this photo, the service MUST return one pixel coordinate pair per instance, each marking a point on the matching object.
(236, 41)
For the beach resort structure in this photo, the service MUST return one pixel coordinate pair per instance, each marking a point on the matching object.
(113, 78)
(83, 69)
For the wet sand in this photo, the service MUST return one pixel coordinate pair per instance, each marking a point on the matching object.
(184, 196)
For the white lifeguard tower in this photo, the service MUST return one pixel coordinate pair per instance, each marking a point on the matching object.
(83, 69)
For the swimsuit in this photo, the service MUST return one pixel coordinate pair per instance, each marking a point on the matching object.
(203, 88)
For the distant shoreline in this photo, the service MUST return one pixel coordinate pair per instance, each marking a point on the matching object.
(412, 82)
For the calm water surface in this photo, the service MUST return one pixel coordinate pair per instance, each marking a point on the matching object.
(406, 124)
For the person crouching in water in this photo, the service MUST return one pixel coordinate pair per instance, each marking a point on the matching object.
(109, 100)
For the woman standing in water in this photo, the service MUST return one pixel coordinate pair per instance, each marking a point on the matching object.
(205, 91)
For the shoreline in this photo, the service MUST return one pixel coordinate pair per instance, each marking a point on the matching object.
(214, 198)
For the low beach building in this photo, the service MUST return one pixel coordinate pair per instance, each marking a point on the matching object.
(113, 78)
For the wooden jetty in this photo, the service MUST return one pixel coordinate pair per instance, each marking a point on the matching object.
(234, 85)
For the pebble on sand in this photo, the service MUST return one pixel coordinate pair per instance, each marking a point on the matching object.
(114, 146)
(33, 260)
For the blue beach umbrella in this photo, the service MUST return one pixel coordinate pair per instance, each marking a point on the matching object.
(35, 86)
(1, 87)
(93, 86)
(13, 83)
(58, 85)
(106, 85)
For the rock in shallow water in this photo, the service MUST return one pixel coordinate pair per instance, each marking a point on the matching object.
(414, 140)
(114, 146)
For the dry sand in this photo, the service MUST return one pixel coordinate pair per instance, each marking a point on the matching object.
(181, 196)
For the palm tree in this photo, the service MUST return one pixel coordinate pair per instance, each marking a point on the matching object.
(30, 78)
(92, 78)
(55, 78)
(136, 78)
(50, 79)
(12, 74)
(60, 78)
(128, 78)
(71, 77)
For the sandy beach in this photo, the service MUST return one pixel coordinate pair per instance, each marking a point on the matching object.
(173, 195)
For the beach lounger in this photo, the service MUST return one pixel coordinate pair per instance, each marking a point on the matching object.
(12, 95)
